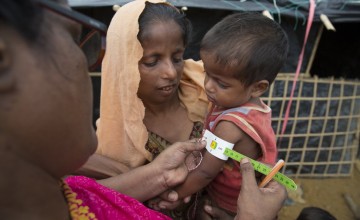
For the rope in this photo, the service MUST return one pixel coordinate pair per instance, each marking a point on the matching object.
(301, 56)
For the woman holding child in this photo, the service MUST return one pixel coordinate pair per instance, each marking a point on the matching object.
(150, 97)
(147, 99)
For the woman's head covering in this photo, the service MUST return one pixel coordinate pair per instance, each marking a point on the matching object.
(121, 132)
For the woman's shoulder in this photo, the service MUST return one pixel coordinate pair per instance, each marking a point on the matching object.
(194, 68)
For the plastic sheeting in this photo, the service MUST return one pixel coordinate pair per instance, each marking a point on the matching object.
(336, 10)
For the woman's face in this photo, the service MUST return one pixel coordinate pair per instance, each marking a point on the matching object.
(49, 121)
(162, 64)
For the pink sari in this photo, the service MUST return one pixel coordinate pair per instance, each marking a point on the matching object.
(89, 200)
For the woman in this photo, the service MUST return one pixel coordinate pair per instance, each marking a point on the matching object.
(39, 147)
(149, 97)
(148, 100)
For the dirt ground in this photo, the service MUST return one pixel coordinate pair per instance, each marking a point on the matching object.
(325, 193)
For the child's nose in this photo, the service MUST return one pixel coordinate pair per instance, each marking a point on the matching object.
(208, 84)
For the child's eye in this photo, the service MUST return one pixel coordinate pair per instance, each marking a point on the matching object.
(221, 85)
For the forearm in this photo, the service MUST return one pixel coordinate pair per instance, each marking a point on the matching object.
(141, 183)
(101, 167)
(196, 180)
(199, 178)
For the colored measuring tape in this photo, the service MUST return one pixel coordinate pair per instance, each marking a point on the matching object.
(262, 168)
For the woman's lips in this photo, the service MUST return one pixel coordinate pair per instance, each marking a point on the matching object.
(167, 89)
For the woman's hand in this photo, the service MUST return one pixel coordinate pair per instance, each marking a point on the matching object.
(256, 203)
(165, 172)
(171, 162)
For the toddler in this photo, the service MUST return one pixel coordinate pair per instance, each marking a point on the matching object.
(242, 54)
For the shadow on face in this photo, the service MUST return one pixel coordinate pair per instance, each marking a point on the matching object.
(46, 107)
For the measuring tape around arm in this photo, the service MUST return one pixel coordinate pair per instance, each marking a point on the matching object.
(223, 150)
(262, 168)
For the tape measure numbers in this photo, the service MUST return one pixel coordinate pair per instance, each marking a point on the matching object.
(262, 168)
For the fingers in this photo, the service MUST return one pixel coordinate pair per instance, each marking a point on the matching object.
(191, 146)
(277, 188)
(248, 174)
(187, 199)
(216, 213)
(169, 205)
(169, 195)
(169, 200)
(209, 210)
(154, 203)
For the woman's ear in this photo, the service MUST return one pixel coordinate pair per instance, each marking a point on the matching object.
(259, 88)
(7, 78)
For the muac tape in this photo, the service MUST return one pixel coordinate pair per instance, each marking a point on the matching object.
(223, 150)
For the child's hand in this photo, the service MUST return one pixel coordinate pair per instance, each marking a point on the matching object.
(217, 213)
(167, 200)
(153, 203)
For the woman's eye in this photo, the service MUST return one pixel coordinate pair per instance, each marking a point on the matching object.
(150, 64)
(178, 60)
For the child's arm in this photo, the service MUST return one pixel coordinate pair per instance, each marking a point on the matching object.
(211, 165)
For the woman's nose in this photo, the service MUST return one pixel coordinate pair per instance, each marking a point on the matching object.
(169, 70)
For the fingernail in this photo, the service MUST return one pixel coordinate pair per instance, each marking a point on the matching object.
(203, 142)
(245, 160)
(187, 199)
(207, 208)
(161, 206)
(172, 196)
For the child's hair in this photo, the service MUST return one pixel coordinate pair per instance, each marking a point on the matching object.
(250, 42)
(314, 213)
(163, 12)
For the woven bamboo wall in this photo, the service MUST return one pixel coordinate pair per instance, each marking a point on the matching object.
(322, 134)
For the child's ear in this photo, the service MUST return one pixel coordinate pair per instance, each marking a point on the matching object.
(259, 88)
(7, 79)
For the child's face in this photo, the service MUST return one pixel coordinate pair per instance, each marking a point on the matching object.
(221, 87)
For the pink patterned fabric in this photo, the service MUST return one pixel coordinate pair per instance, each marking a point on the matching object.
(108, 204)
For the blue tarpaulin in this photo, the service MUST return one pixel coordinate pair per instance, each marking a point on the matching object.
(336, 10)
